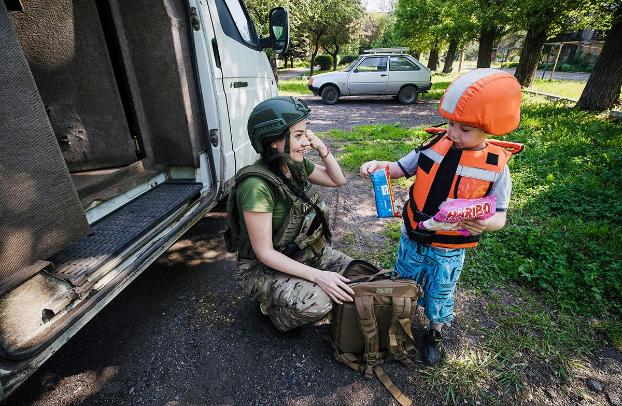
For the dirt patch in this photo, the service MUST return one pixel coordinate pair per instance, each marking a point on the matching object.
(357, 110)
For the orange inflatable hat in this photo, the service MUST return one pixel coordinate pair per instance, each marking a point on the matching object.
(485, 98)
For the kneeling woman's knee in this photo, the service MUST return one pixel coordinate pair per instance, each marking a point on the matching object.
(315, 304)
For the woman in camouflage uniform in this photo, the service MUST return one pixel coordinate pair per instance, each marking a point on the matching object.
(278, 223)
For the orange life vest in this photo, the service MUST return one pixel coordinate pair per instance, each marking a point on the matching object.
(445, 172)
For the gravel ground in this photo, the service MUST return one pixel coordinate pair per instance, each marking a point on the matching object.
(183, 334)
(356, 110)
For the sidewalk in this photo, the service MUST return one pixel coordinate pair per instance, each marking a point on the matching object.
(578, 76)
(291, 73)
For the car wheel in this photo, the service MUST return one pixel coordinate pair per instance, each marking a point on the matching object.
(407, 94)
(330, 94)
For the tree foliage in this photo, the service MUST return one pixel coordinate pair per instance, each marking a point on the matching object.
(342, 30)
(431, 24)
(543, 20)
(325, 19)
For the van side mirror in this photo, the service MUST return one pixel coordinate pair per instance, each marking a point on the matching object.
(279, 31)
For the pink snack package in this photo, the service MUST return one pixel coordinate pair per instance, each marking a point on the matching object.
(457, 210)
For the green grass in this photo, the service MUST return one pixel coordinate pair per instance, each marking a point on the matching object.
(293, 87)
(559, 258)
(375, 132)
(564, 235)
(565, 88)
(525, 335)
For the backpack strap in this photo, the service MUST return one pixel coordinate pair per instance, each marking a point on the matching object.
(369, 328)
(397, 394)
(349, 359)
(382, 274)
(401, 340)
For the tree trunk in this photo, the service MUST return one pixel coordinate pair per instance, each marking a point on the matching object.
(602, 90)
(461, 59)
(291, 61)
(335, 56)
(451, 55)
(486, 38)
(530, 55)
(316, 48)
(433, 59)
(417, 55)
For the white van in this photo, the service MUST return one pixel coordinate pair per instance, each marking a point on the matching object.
(121, 125)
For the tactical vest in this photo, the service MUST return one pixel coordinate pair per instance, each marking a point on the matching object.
(301, 237)
(445, 172)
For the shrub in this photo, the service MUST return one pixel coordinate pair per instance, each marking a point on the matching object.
(325, 61)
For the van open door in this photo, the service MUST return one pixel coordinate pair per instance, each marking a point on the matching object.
(245, 73)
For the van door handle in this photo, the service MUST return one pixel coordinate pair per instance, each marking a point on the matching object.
(216, 53)
(239, 84)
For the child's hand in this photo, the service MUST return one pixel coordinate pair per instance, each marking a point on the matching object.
(369, 167)
(433, 225)
(474, 226)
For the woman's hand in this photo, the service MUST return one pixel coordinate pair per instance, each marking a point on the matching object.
(334, 285)
(316, 143)
(369, 167)
(474, 226)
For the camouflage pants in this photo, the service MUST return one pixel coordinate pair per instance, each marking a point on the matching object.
(290, 301)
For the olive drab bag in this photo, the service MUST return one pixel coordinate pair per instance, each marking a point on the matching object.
(377, 325)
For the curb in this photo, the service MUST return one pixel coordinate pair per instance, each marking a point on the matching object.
(614, 114)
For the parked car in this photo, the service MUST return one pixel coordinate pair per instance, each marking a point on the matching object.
(383, 71)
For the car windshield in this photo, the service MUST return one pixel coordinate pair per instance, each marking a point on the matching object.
(349, 67)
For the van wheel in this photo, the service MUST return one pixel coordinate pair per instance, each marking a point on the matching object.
(330, 94)
(407, 94)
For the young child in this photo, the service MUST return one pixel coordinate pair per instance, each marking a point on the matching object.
(459, 163)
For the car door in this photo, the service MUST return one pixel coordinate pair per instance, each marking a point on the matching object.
(403, 71)
(370, 76)
(247, 78)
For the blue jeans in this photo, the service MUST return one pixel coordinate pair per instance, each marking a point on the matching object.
(437, 270)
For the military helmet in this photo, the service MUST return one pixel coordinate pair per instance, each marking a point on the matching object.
(272, 117)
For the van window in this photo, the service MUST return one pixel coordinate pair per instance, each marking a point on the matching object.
(373, 64)
(236, 23)
(401, 63)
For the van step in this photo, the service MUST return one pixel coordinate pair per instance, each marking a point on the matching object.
(94, 254)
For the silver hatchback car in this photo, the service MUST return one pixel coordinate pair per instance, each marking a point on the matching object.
(382, 71)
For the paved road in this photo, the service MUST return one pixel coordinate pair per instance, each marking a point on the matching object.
(291, 73)
(577, 76)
